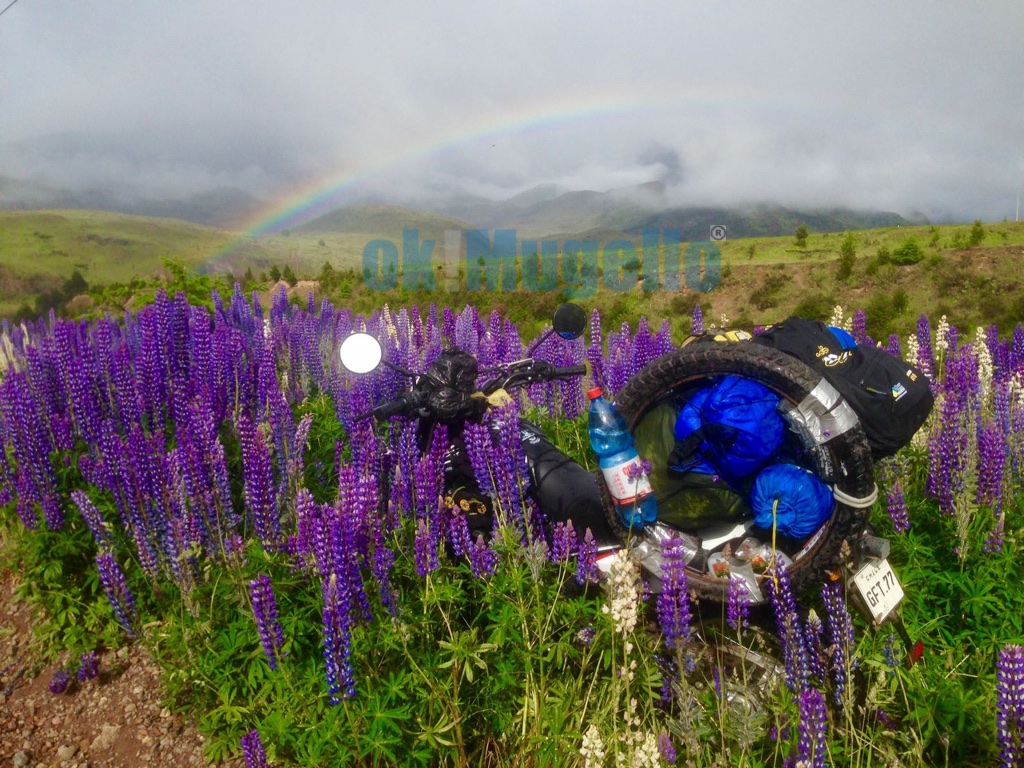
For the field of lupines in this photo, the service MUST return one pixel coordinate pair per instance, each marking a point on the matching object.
(196, 480)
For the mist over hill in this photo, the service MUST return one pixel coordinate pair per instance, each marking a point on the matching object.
(546, 210)
(219, 207)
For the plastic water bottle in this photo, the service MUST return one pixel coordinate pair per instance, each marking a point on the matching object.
(627, 482)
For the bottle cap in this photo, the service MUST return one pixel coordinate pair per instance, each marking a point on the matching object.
(594, 393)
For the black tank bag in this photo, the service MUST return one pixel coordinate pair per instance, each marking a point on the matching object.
(891, 398)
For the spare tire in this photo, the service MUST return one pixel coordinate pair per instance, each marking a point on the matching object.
(841, 456)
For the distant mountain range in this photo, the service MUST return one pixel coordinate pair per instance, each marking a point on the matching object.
(543, 211)
(553, 212)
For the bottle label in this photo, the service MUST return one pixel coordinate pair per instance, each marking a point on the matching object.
(627, 481)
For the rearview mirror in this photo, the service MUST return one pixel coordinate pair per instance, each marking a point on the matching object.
(361, 353)
(569, 321)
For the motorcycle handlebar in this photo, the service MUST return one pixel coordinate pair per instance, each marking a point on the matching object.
(401, 404)
(536, 370)
(567, 371)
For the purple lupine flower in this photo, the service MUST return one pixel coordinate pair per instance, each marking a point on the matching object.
(897, 507)
(564, 543)
(662, 343)
(252, 750)
(482, 559)
(991, 464)
(996, 537)
(890, 652)
(99, 529)
(924, 346)
(338, 640)
(61, 680)
(737, 605)
(841, 636)
(382, 562)
(1017, 349)
(509, 460)
(813, 630)
(116, 586)
(306, 513)
(893, 347)
(860, 327)
(257, 475)
(1010, 706)
(587, 571)
(426, 546)
(478, 446)
(88, 666)
(794, 650)
(665, 747)
(458, 532)
(264, 609)
(697, 321)
(813, 729)
(674, 603)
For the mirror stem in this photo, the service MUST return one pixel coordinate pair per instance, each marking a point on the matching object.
(400, 369)
(538, 342)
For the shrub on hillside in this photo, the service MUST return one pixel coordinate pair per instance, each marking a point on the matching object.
(909, 252)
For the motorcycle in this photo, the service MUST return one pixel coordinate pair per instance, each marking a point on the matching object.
(823, 432)
(447, 394)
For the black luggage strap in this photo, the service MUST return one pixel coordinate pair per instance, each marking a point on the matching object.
(688, 447)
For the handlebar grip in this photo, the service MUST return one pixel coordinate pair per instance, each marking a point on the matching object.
(571, 370)
(387, 410)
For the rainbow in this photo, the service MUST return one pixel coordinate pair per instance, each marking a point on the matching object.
(311, 200)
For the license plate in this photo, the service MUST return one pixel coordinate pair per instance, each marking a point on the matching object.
(879, 587)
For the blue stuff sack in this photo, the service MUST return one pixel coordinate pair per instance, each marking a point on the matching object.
(734, 425)
(804, 502)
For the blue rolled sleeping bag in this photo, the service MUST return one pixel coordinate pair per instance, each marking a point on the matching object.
(734, 425)
(804, 502)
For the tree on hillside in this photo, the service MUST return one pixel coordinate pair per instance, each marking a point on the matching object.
(847, 257)
(909, 252)
(328, 277)
(275, 273)
(800, 236)
(288, 275)
(977, 234)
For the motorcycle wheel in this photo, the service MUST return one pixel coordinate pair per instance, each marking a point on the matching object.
(843, 461)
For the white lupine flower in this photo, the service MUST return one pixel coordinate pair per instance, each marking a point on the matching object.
(941, 336)
(1017, 391)
(7, 359)
(647, 755)
(836, 320)
(389, 322)
(592, 749)
(623, 592)
(912, 351)
(985, 371)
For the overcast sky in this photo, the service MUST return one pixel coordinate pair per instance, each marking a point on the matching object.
(911, 107)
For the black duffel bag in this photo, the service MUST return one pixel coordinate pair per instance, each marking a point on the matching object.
(891, 397)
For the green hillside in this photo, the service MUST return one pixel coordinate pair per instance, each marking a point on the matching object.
(895, 273)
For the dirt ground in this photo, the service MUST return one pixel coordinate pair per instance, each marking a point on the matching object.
(116, 719)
